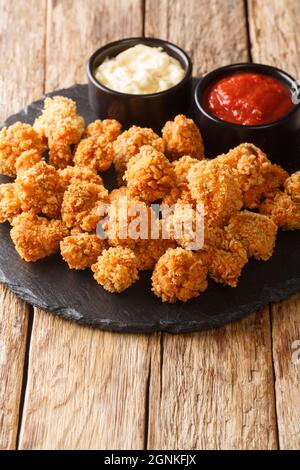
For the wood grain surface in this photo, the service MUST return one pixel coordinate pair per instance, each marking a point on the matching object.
(21, 81)
(98, 390)
(274, 36)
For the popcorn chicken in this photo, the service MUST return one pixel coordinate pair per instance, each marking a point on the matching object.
(36, 237)
(149, 175)
(76, 174)
(179, 275)
(27, 160)
(256, 232)
(129, 143)
(82, 204)
(281, 208)
(82, 250)
(15, 140)
(292, 186)
(116, 269)
(10, 205)
(182, 137)
(95, 153)
(110, 128)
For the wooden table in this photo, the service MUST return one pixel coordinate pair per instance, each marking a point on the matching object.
(69, 387)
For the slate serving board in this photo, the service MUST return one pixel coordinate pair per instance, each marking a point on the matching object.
(74, 295)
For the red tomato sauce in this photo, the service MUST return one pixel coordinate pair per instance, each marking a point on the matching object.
(248, 98)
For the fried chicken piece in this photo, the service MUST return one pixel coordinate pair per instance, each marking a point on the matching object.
(10, 205)
(82, 250)
(110, 128)
(256, 175)
(215, 186)
(84, 205)
(94, 152)
(181, 190)
(179, 275)
(148, 252)
(36, 237)
(149, 175)
(60, 125)
(77, 174)
(116, 269)
(225, 256)
(129, 222)
(118, 193)
(281, 208)
(15, 140)
(27, 160)
(256, 232)
(129, 143)
(185, 225)
(182, 137)
(39, 188)
(292, 186)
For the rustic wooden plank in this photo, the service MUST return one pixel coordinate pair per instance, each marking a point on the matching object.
(21, 82)
(274, 27)
(86, 389)
(211, 390)
(212, 32)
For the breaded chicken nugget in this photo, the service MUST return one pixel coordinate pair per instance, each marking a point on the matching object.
(39, 188)
(281, 208)
(256, 232)
(129, 221)
(225, 256)
(60, 125)
(82, 204)
(116, 269)
(77, 174)
(118, 193)
(185, 225)
(179, 275)
(181, 189)
(182, 137)
(256, 175)
(215, 186)
(14, 140)
(148, 252)
(149, 175)
(27, 160)
(129, 143)
(292, 186)
(82, 250)
(10, 205)
(95, 153)
(36, 237)
(110, 128)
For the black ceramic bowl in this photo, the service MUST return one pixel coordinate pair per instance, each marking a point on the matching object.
(219, 136)
(151, 110)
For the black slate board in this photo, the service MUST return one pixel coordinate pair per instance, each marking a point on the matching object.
(74, 295)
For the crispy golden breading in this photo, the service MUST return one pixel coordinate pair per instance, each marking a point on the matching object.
(185, 225)
(82, 205)
(179, 275)
(10, 205)
(129, 143)
(116, 269)
(281, 208)
(27, 160)
(123, 227)
(82, 250)
(108, 127)
(72, 174)
(182, 137)
(256, 232)
(148, 252)
(149, 175)
(225, 256)
(36, 237)
(61, 126)
(95, 153)
(180, 190)
(39, 188)
(256, 175)
(118, 193)
(292, 186)
(15, 140)
(215, 186)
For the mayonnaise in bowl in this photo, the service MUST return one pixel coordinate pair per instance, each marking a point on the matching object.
(140, 70)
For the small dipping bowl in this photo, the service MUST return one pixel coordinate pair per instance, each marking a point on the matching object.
(146, 110)
(219, 136)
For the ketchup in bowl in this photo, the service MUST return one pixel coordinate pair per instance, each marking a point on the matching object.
(248, 98)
